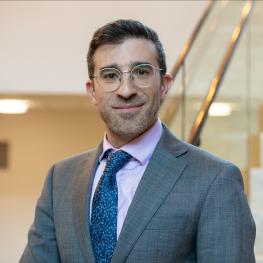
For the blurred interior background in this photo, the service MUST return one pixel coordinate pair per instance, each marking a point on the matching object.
(210, 46)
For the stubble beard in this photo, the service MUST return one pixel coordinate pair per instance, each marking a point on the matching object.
(130, 125)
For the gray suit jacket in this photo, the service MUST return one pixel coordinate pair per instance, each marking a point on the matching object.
(189, 207)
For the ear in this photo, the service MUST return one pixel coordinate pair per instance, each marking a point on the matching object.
(166, 85)
(91, 92)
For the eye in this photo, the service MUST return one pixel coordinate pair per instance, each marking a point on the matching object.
(109, 75)
(142, 71)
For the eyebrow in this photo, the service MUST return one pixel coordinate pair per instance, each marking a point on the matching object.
(109, 66)
(131, 65)
(136, 63)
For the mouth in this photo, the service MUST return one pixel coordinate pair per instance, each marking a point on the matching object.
(128, 107)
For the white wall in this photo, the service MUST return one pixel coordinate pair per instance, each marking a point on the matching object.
(44, 43)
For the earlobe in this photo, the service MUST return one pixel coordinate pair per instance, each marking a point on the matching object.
(91, 92)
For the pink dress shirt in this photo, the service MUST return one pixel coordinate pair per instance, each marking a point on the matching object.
(128, 178)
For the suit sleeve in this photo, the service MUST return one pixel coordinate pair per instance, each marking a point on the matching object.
(42, 244)
(226, 229)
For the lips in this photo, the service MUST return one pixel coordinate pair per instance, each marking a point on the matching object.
(129, 109)
(127, 106)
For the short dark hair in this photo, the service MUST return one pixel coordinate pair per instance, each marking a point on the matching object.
(118, 31)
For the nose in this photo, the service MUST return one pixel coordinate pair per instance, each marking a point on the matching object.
(127, 88)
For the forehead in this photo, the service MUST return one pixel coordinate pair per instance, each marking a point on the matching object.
(126, 53)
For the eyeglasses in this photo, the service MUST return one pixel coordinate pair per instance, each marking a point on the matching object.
(142, 75)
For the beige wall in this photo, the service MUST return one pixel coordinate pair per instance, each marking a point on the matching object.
(36, 139)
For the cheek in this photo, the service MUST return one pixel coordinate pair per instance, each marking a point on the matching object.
(101, 100)
(155, 94)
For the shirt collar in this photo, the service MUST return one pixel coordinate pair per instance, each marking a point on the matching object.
(147, 141)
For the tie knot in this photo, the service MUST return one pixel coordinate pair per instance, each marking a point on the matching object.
(117, 160)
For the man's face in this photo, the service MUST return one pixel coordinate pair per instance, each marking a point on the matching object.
(130, 110)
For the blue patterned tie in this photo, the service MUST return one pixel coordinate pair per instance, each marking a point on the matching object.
(103, 227)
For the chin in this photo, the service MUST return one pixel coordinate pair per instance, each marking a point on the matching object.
(131, 129)
(130, 125)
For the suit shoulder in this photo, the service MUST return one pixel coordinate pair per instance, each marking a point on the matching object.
(195, 154)
(178, 147)
(201, 163)
(203, 155)
(66, 171)
(77, 160)
(209, 164)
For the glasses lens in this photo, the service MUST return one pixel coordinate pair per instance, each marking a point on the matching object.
(109, 78)
(143, 75)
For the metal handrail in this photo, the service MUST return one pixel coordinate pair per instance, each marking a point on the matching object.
(173, 106)
(215, 84)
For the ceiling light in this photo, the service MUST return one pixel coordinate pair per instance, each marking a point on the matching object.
(220, 109)
(12, 106)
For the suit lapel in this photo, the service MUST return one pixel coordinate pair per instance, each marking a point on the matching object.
(161, 174)
(81, 202)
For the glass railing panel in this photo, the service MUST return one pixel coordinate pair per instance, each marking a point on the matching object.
(202, 63)
(226, 130)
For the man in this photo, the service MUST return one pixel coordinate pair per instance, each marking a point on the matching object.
(142, 196)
